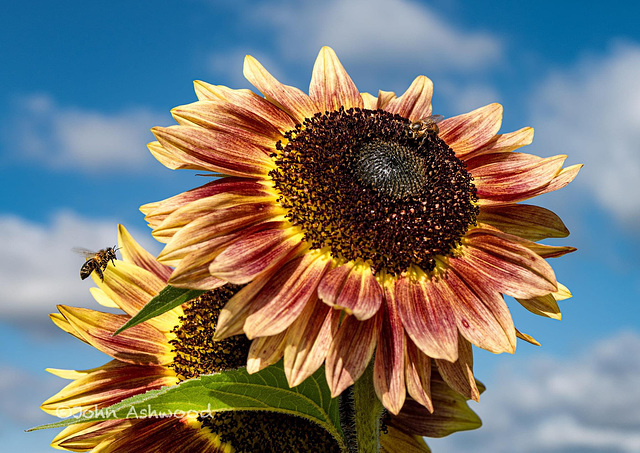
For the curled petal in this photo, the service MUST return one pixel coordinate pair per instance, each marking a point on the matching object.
(527, 338)
(471, 131)
(527, 221)
(308, 340)
(546, 306)
(331, 87)
(203, 149)
(415, 103)
(353, 288)
(290, 99)
(427, 317)
(504, 265)
(388, 368)
(459, 374)
(369, 101)
(351, 351)
(265, 351)
(283, 299)
(418, 375)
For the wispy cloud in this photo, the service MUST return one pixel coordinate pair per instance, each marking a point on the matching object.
(592, 112)
(589, 403)
(70, 137)
(38, 269)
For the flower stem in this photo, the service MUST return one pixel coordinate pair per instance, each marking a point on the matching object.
(368, 411)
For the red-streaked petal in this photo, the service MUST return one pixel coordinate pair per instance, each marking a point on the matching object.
(158, 211)
(248, 257)
(417, 370)
(415, 103)
(107, 385)
(86, 436)
(427, 317)
(459, 374)
(388, 368)
(290, 99)
(481, 314)
(231, 119)
(331, 87)
(503, 265)
(213, 151)
(563, 178)
(503, 143)
(512, 177)
(283, 299)
(139, 345)
(234, 314)
(133, 253)
(471, 131)
(351, 351)
(265, 351)
(308, 340)
(353, 288)
(527, 221)
(248, 100)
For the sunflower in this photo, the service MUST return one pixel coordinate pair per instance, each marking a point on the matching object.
(168, 349)
(358, 224)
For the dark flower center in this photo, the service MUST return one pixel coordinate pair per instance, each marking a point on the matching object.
(359, 183)
(195, 351)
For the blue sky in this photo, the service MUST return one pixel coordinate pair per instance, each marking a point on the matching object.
(82, 83)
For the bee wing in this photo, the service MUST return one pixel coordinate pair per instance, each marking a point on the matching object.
(433, 119)
(84, 252)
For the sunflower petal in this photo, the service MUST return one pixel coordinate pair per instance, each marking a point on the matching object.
(139, 345)
(213, 151)
(415, 103)
(527, 338)
(471, 131)
(388, 368)
(308, 340)
(107, 385)
(353, 288)
(510, 268)
(133, 253)
(459, 374)
(331, 87)
(527, 221)
(265, 351)
(283, 299)
(503, 143)
(350, 352)
(290, 99)
(427, 317)
(255, 253)
(418, 374)
(396, 440)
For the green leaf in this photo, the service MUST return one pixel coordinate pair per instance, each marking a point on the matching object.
(266, 390)
(169, 298)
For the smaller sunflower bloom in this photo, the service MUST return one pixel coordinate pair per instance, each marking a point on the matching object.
(339, 201)
(161, 352)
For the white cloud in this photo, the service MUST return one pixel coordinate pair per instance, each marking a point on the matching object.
(592, 112)
(392, 31)
(38, 269)
(589, 404)
(71, 137)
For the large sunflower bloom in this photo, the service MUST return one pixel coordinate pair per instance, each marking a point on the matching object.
(332, 200)
(161, 352)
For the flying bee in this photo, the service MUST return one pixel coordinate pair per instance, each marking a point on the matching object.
(96, 261)
(425, 126)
